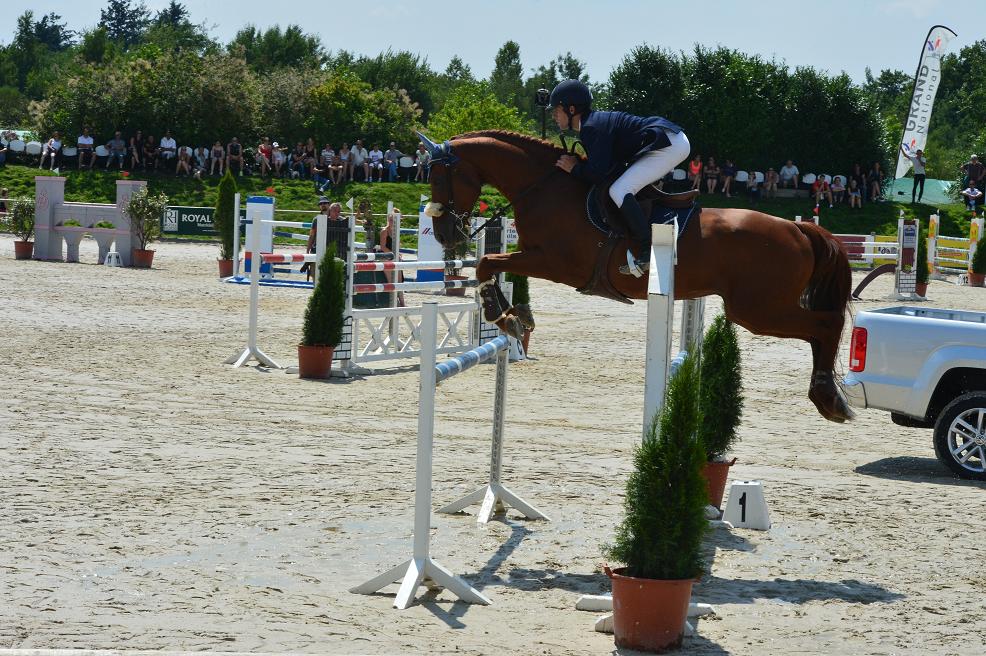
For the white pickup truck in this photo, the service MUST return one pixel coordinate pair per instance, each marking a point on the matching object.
(927, 367)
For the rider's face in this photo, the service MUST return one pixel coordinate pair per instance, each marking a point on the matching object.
(561, 118)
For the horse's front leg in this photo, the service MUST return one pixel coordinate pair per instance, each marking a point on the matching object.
(512, 319)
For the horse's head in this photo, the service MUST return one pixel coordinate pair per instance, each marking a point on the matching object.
(455, 187)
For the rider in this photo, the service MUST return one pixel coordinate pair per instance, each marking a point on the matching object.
(644, 149)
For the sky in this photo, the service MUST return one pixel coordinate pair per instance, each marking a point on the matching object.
(831, 35)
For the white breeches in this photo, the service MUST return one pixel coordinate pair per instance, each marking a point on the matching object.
(651, 167)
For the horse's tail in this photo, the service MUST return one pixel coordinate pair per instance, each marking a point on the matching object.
(831, 279)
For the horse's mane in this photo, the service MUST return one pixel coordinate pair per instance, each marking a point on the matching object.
(530, 144)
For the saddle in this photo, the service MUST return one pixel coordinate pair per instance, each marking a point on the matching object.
(606, 217)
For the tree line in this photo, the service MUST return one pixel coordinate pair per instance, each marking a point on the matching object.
(155, 71)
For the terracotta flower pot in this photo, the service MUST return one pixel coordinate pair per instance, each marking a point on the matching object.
(456, 291)
(225, 268)
(715, 474)
(23, 250)
(648, 614)
(976, 279)
(143, 258)
(921, 289)
(315, 361)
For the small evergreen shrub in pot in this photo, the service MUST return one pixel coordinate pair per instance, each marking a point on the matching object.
(921, 266)
(222, 219)
(721, 403)
(977, 268)
(324, 319)
(660, 537)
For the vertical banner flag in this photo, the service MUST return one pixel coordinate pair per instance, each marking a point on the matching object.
(926, 82)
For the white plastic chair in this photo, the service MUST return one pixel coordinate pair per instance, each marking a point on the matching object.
(33, 148)
(742, 176)
(759, 175)
(16, 146)
(809, 178)
(678, 174)
(70, 151)
(102, 152)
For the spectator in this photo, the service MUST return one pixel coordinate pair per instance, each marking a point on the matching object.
(357, 161)
(150, 153)
(821, 189)
(789, 175)
(345, 156)
(264, 156)
(369, 233)
(421, 160)
(4, 195)
(770, 181)
(321, 176)
(168, 151)
(218, 158)
(711, 175)
(311, 154)
(973, 170)
(753, 187)
(325, 158)
(728, 173)
(390, 243)
(84, 145)
(919, 162)
(972, 196)
(337, 237)
(296, 161)
(234, 155)
(135, 148)
(838, 189)
(117, 148)
(855, 193)
(184, 161)
(336, 169)
(375, 164)
(390, 160)
(277, 158)
(51, 150)
(200, 162)
(695, 172)
(875, 181)
(3, 153)
(860, 177)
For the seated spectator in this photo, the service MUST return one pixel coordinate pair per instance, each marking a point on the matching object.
(973, 171)
(860, 177)
(168, 151)
(421, 160)
(320, 174)
(52, 148)
(789, 175)
(264, 156)
(728, 173)
(838, 189)
(358, 161)
(311, 154)
(184, 164)
(711, 175)
(277, 159)
(855, 194)
(3, 153)
(695, 172)
(753, 187)
(200, 162)
(84, 145)
(875, 180)
(376, 164)
(972, 196)
(820, 189)
(218, 157)
(336, 170)
(770, 181)
(135, 149)
(234, 155)
(4, 195)
(296, 161)
(325, 157)
(150, 153)
(390, 161)
(346, 156)
(117, 148)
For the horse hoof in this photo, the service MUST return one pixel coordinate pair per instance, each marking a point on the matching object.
(513, 327)
(523, 312)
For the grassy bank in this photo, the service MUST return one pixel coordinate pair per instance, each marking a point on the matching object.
(100, 187)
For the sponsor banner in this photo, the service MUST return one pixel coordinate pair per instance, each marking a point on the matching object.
(180, 221)
(510, 226)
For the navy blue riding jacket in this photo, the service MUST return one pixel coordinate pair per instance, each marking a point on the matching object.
(615, 139)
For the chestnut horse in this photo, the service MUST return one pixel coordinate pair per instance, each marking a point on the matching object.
(775, 277)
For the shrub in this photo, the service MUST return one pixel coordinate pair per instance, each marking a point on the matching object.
(145, 212)
(522, 292)
(921, 265)
(324, 315)
(979, 257)
(105, 225)
(223, 216)
(71, 223)
(721, 399)
(20, 220)
(661, 535)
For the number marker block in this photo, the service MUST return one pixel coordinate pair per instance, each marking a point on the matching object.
(746, 507)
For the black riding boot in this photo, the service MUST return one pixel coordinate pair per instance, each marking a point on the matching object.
(638, 260)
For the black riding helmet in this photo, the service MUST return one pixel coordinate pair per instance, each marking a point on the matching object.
(572, 92)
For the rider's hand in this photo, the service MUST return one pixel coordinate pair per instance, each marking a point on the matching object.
(567, 162)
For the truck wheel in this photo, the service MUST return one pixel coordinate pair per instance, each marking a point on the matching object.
(960, 436)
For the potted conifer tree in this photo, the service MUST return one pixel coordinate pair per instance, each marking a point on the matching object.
(660, 537)
(20, 221)
(977, 268)
(324, 320)
(721, 403)
(145, 212)
(921, 266)
(522, 298)
(222, 218)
